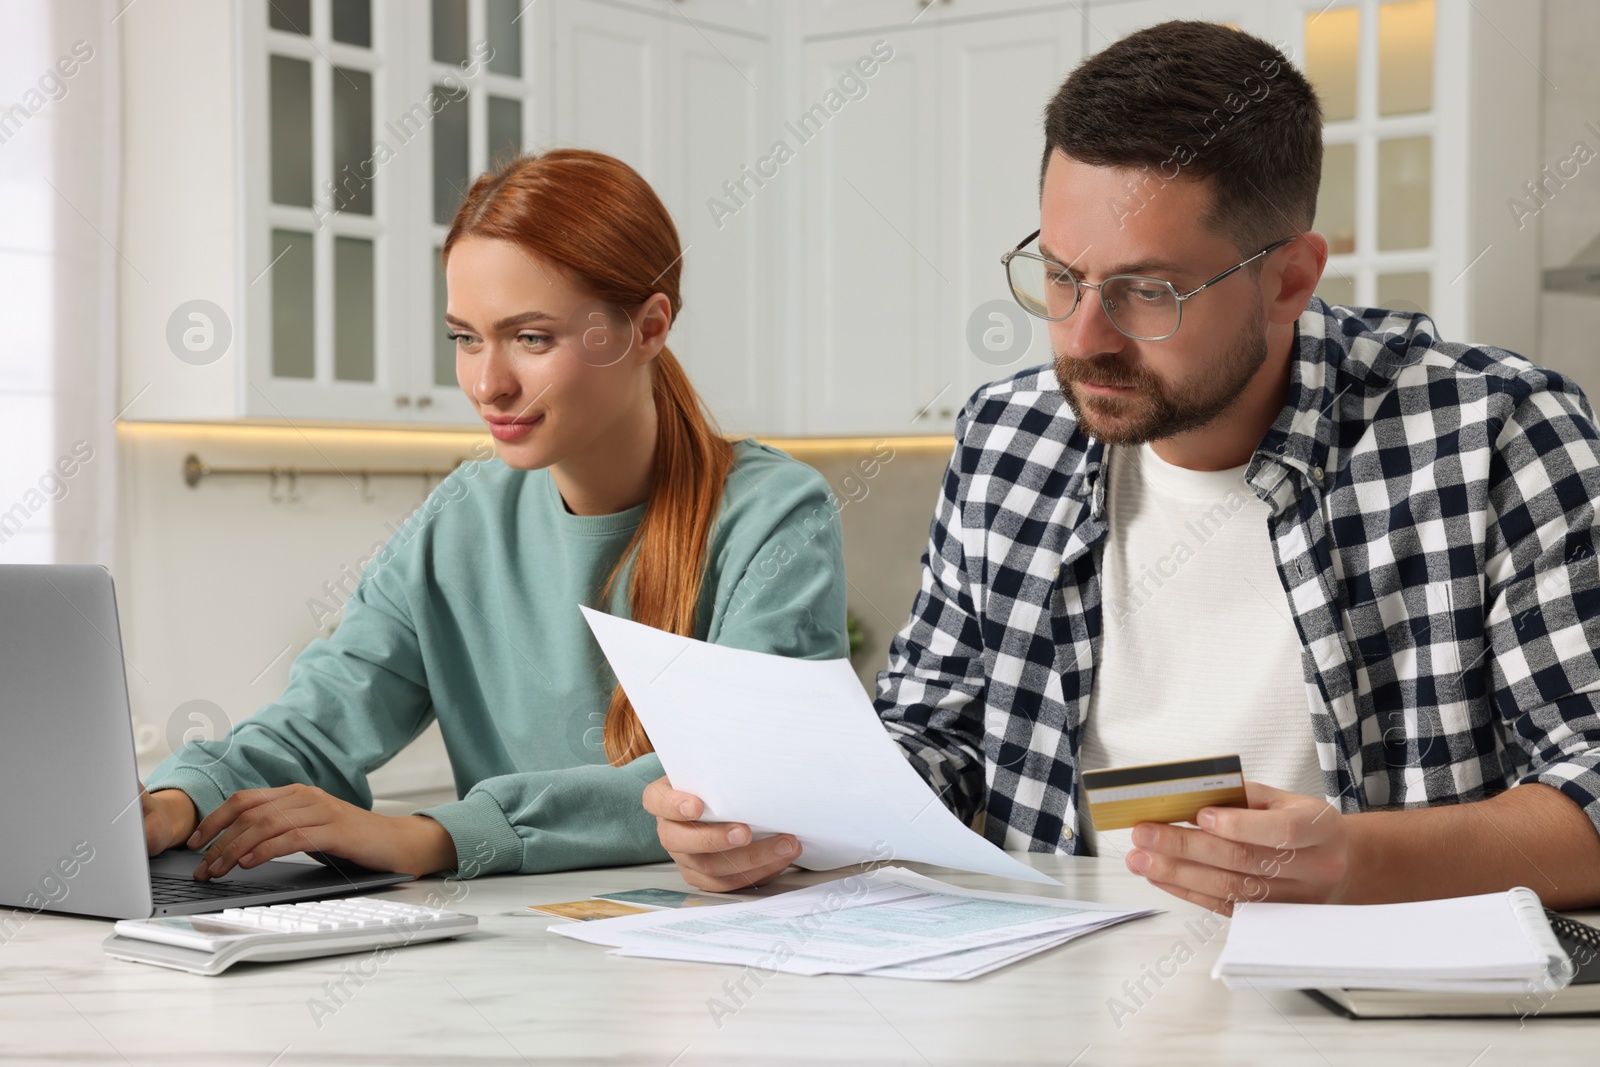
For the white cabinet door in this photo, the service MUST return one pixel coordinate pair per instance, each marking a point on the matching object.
(854, 16)
(873, 285)
(505, 110)
(683, 105)
(1111, 20)
(756, 17)
(723, 186)
(996, 76)
(608, 75)
(912, 193)
(322, 225)
(846, 16)
(751, 16)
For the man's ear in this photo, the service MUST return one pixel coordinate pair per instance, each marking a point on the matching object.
(1298, 273)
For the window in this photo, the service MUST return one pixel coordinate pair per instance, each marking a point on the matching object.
(58, 287)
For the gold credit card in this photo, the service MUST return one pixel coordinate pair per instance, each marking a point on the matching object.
(586, 910)
(1119, 797)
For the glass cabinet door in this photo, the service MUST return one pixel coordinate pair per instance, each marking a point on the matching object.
(478, 73)
(366, 123)
(1372, 63)
(319, 207)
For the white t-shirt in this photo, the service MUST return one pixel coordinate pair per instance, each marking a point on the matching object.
(1199, 654)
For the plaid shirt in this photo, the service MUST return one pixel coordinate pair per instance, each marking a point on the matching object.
(1433, 523)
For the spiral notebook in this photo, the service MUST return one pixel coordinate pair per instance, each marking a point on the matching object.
(1581, 996)
(1489, 943)
(1491, 954)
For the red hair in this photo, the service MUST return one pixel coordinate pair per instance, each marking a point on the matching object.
(597, 219)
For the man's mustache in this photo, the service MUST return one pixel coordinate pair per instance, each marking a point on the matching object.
(1098, 370)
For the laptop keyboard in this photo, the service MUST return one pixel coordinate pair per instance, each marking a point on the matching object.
(168, 889)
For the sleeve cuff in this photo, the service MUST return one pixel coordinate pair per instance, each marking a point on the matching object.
(206, 794)
(486, 842)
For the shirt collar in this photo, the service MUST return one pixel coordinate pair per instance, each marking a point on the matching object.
(1338, 353)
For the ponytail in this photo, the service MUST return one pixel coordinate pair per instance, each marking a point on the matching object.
(670, 547)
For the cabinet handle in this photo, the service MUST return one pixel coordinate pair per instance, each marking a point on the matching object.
(945, 413)
(402, 401)
(424, 401)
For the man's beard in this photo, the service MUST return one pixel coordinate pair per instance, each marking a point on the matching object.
(1150, 412)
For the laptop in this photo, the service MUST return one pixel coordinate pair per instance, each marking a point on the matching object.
(73, 837)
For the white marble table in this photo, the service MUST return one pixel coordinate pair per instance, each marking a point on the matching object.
(514, 993)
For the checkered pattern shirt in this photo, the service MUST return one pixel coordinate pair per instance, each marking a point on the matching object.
(1432, 517)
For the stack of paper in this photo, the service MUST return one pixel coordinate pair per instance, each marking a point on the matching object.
(1491, 943)
(890, 922)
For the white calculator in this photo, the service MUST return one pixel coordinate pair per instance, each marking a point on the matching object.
(210, 944)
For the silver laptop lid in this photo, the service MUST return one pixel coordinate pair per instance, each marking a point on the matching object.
(73, 836)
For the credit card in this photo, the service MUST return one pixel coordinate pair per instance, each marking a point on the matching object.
(1119, 797)
(585, 910)
(665, 898)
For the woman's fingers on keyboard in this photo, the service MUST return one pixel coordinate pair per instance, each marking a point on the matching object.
(257, 816)
(226, 813)
(257, 825)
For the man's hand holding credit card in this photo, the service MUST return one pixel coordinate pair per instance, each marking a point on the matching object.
(1249, 841)
(1120, 797)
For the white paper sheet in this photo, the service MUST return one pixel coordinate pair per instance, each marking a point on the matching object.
(789, 746)
(960, 966)
(890, 922)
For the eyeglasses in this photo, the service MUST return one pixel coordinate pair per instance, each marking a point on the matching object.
(1144, 308)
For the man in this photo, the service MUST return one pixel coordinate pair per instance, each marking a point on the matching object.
(1233, 519)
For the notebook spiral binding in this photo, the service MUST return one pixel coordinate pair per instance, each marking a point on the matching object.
(1583, 944)
(1572, 929)
(1541, 934)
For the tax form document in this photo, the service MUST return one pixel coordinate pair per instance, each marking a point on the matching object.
(789, 746)
(890, 922)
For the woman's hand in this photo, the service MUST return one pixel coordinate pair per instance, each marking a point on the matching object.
(169, 818)
(257, 825)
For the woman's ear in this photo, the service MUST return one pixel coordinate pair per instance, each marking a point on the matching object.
(653, 320)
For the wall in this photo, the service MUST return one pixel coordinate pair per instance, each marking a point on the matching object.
(220, 588)
(1570, 323)
(885, 520)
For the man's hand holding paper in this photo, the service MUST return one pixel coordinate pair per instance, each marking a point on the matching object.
(716, 856)
(787, 747)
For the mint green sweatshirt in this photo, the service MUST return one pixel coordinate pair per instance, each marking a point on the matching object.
(469, 615)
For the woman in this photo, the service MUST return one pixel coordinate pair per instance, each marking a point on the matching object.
(610, 488)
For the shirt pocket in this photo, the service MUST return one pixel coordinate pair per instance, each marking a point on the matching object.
(1412, 666)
